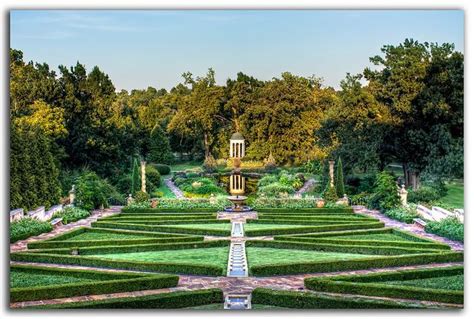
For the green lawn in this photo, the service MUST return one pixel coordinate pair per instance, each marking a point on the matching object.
(219, 226)
(167, 193)
(103, 236)
(206, 256)
(257, 226)
(449, 282)
(455, 196)
(257, 256)
(24, 279)
(185, 166)
(382, 237)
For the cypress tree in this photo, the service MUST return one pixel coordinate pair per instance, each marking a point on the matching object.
(160, 149)
(339, 179)
(136, 180)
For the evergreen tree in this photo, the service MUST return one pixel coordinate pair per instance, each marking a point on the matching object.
(160, 150)
(136, 180)
(339, 179)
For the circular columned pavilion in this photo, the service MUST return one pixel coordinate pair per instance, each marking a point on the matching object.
(237, 146)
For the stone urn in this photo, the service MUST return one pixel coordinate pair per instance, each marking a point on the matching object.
(154, 203)
(320, 203)
(237, 162)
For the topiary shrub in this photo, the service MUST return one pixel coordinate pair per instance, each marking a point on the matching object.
(424, 194)
(153, 176)
(163, 169)
(141, 197)
(330, 193)
(276, 189)
(339, 179)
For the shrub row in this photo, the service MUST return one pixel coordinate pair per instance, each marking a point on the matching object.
(110, 242)
(160, 217)
(311, 229)
(112, 249)
(317, 217)
(450, 228)
(105, 283)
(72, 214)
(169, 222)
(172, 300)
(341, 233)
(164, 267)
(167, 229)
(165, 210)
(372, 243)
(352, 285)
(357, 264)
(323, 210)
(28, 227)
(350, 249)
(306, 222)
(309, 300)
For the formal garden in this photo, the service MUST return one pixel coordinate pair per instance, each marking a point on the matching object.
(282, 194)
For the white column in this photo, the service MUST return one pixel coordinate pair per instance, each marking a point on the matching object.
(143, 166)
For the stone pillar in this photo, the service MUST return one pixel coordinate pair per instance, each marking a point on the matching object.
(143, 167)
(72, 195)
(331, 173)
(403, 195)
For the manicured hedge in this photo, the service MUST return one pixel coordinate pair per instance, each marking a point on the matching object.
(357, 284)
(340, 233)
(381, 249)
(169, 222)
(364, 242)
(112, 249)
(166, 210)
(172, 300)
(310, 300)
(110, 242)
(169, 229)
(357, 264)
(318, 217)
(311, 229)
(174, 268)
(154, 217)
(307, 210)
(105, 282)
(308, 222)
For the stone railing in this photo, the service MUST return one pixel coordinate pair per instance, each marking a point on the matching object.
(437, 213)
(39, 213)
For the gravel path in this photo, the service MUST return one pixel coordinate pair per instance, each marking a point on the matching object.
(176, 191)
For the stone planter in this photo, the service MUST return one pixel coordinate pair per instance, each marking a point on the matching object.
(320, 203)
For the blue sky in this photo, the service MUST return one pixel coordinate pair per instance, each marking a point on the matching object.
(153, 48)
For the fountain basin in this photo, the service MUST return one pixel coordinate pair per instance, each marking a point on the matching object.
(237, 204)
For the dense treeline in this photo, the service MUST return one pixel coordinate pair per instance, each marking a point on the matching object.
(407, 109)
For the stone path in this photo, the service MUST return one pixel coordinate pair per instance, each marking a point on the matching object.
(242, 217)
(86, 222)
(176, 191)
(455, 245)
(306, 186)
(230, 285)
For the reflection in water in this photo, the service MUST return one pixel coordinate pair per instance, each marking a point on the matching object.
(249, 184)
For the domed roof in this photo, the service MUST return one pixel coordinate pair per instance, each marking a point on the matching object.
(237, 136)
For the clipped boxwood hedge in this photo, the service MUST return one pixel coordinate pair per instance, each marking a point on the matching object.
(110, 242)
(323, 210)
(112, 249)
(340, 233)
(381, 249)
(168, 229)
(105, 282)
(163, 267)
(357, 264)
(172, 300)
(372, 285)
(169, 222)
(364, 242)
(305, 222)
(311, 300)
(166, 210)
(311, 229)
